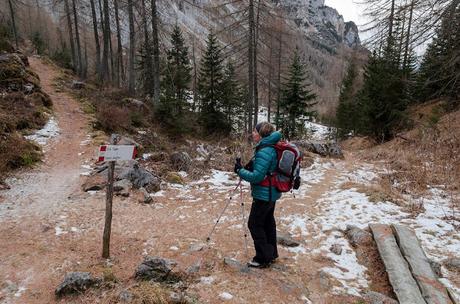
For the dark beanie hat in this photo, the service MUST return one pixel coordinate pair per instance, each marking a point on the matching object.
(264, 129)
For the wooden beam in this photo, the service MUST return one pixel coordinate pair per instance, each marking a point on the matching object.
(433, 291)
(401, 279)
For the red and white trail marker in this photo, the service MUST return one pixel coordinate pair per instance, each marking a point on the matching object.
(115, 152)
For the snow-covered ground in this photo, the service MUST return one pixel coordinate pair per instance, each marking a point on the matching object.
(324, 185)
(315, 131)
(50, 130)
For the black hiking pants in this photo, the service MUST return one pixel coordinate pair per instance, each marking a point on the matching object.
(262, 226)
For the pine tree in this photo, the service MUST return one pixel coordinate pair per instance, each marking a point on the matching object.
(297, 100)
(232, 99)
(347, 111)
(210, 88)
(439, 73)
(175, 82)
(383, 97)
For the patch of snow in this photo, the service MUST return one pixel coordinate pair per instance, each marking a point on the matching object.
(146, 156)
(348, 271)
(295, 223)
(59, 231)
(174, 248)
(207, 280)
(50, 130)
(225, 296)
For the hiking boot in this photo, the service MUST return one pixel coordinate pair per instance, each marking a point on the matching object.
(255, 264)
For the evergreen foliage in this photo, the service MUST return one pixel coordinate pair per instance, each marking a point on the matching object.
(383, 97)
(297, 100)
(347, 116)
(211, 89)
(144, 64)
(175, 83)
(38, 42)
(439, 73)
(233, 99)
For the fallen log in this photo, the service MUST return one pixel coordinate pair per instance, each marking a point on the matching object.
(400, 277)
(432, 290)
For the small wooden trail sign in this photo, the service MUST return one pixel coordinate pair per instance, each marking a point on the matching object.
(112, 153)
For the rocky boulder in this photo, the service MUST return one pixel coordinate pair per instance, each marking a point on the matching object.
(286, 240)
(139, 177)
(330, 149)
(358, 236)
(76, 282)
(180, 161)
(157, 269)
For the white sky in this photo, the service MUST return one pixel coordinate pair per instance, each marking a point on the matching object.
(348, 9)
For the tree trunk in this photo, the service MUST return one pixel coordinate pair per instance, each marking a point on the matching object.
(96, 40)
(391, 21)
(112, 67)
(195, 95)
(120, 69)
(85, 66)
(408, 36)
(69, 25)
(278, 98)
(251, 100)
(106, 38)
(15, 33)
(270, 73)
(132, 49)
(148, 52)
(256, 87)
(156, 55)
(77, 39)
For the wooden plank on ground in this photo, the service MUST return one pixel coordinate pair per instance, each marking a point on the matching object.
(433, 291)
(404, 285)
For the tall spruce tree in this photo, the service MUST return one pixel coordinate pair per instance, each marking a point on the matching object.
(232, 100)
(439, 73)
(210, 88)
(383, 97)
(297, 100)
(347, 110)
(175, 82)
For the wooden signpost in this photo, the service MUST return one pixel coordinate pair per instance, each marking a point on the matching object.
(112, 153)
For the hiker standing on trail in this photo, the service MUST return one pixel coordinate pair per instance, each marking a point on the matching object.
(261, 222)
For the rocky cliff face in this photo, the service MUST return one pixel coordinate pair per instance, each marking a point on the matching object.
(321, 23)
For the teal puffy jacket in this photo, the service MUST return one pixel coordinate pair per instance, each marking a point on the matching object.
(265, 161)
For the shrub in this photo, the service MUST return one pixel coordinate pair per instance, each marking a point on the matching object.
(112, 118)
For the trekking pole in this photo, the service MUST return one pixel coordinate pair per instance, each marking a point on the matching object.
(223, 211)
(245, 231)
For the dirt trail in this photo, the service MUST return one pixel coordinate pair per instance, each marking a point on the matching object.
(50, 184)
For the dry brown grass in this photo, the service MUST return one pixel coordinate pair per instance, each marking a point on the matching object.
(426, 156)
(142, 293)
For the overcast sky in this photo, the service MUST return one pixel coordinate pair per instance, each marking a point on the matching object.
(348, 9)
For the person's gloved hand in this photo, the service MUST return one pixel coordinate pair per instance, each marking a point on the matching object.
(249, 166)
(238, 165)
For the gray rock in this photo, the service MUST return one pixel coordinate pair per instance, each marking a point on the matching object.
(358, 236)
(140, 177)
(197, 247)
(195, 268)
(436, 268)
(336, 248)
(77, 85)
(286, 240)
(76, 282)
(235, 264)
(180, 298)
(126, 297)
(156, 269)
(452, 264)
(147, 199)
(324, 281)
(180, 161)
(122, 187)
(331, 149)
(373, 297)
